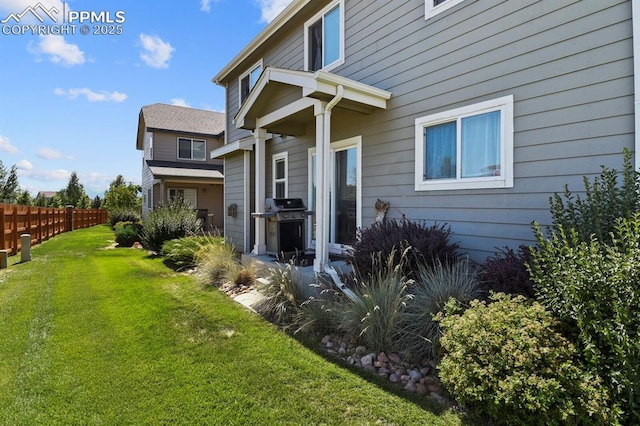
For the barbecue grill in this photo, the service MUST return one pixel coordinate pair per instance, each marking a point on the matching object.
(285, 225)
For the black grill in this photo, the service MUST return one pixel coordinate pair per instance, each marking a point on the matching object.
(285, 225)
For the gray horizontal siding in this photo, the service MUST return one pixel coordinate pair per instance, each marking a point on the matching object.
(568, 65)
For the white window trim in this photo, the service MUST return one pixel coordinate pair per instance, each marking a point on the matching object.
(258, 64)
(354, 142)
(505, 180)
(192, 140)
(275, 158)
(315, 19)
(431, 10)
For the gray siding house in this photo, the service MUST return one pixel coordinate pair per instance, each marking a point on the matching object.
(175, 142)
(465, 112)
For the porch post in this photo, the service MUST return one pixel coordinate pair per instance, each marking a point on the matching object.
(260, 136)
(322, 190)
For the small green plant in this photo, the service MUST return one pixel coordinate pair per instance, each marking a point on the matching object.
(282, 296)
(217, 263)
(127, 233)
(174, 220)
(122, 215)
(507, 360)
(594, 287)
(181, 252)
(375, 318)
(427, 244)
(434, 286)
(605, 200)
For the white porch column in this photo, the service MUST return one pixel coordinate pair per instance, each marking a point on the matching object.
(322, 190)
(260, 135)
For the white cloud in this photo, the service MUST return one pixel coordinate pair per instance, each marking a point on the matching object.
(90, 95)
(45, 175)
(24, 165)
(155, 52)
(271, 8)
(48, 153)
(205, 5)
(179, 102)
(58, 50)
(5, 145)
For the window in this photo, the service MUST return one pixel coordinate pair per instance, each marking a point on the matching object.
(248, 80)
(191, 149)
(433, 7)
(280, 174)
(466, 148)
(187, 195)
(149, 202)
(324, 38)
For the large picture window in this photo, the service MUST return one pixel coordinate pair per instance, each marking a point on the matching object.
(466, 148)
(324, 38)
(191, 149)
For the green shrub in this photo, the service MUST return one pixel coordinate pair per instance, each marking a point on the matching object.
(376, 317)
(605, 200)
(182, 251)
(595, 287)
(122, 215)
(507, 361)
(217, 263)
(127, 233)
(433, 287)
(427, 244)
(175, 220)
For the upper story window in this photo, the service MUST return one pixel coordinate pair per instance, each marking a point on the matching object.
(324, 38)
(433, 7)
(248, 80)
(191, 149)
(466, 148)
(280, 172)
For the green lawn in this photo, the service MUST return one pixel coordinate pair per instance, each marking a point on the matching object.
(90, 335)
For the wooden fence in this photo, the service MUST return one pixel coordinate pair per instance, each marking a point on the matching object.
(42, 223)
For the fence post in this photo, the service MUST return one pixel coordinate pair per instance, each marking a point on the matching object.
(25, 250)
(14, 229)
(70, 225)
(4, 259)
(2, 229)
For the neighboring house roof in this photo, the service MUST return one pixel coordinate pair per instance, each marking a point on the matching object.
(47, 194)
(178, 119)
(175, 169)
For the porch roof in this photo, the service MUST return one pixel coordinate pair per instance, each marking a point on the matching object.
(167, 169)
(309, 87)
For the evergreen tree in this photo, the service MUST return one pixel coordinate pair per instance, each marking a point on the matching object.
(24, 198)
(74, 193)
(9, 188)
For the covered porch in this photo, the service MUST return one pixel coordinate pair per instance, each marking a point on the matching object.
(288, 103)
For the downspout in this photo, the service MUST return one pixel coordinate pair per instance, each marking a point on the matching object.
(326, 147)
(635, 23)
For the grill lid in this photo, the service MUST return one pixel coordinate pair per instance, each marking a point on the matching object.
(284, 204)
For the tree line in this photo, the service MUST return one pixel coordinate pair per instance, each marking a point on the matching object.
(119, 195)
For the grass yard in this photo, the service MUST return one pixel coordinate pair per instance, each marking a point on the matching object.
(90, 335)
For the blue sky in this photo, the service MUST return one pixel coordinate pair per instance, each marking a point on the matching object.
(70, 102)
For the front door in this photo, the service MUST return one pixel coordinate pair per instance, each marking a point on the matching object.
(345, 189)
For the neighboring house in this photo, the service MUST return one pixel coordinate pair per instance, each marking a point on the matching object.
(175, 142)
(465, 112)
